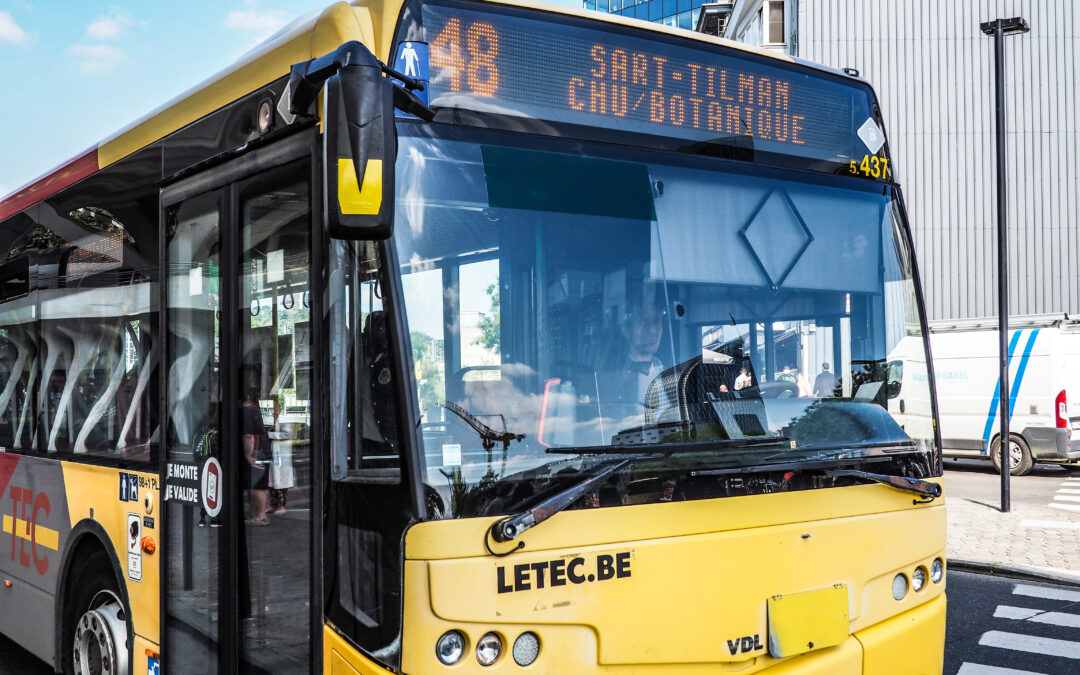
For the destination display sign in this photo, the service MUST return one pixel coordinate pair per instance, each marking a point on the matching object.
(625, 79)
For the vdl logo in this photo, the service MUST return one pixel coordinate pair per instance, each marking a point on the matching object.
(129, 487)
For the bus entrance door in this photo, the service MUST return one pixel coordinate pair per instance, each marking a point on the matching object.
(238, 461)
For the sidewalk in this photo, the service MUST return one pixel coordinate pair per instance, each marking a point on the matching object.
(1036, 538)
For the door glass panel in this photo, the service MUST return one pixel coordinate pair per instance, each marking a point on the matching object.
(368, 500)
(275, 422)
(193, 426)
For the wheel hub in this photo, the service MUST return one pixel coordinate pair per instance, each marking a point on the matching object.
(1015, 455)
(101, 641)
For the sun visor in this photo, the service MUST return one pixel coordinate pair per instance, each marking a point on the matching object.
(547, 181)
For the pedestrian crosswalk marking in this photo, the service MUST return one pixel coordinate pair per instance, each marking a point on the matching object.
(1006, 612)
(1069, 491)
(1046, 593)
(979, 669)
(1066, 507)
(1031, 643)
(1038, 616)
(1065, 498)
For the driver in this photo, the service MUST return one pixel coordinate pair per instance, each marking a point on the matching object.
(623, 382)
(643, 329)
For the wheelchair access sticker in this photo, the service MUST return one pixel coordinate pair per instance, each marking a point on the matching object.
(129, 487)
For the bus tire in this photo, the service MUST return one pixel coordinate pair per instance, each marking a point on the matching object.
(95, 626)
(1020, 461)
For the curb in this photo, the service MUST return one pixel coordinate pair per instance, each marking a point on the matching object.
(1010, 571)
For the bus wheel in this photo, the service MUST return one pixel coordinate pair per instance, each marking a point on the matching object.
(96, 635)
(1020, 460)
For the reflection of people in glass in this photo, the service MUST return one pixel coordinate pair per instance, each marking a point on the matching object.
(743, 380)
(825, 382)
(805, 390)
(282, 475)
(256, 444)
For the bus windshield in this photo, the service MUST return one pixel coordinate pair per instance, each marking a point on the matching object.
(572, 303)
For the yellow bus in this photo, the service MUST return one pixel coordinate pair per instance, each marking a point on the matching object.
(459, 336)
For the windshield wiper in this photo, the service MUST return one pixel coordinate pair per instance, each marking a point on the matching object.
(671, 448)
(898, 446)
(916, 485)
(509, 528)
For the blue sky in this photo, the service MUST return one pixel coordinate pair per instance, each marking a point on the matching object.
(72, 73)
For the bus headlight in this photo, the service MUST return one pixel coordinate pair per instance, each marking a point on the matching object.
(488, 649)
(937, 570)
(899, 586)
(526, 649)
(918, 579)
(450, 647)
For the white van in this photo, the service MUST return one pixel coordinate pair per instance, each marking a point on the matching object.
(1044, 385)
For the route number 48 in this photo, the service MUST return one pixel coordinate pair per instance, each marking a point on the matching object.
(472, 63)
(871, 165)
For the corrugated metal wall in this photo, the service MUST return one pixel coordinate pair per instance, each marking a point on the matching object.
(933, 71)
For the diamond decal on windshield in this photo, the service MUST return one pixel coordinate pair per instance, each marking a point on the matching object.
(871, 135)
(776, 237)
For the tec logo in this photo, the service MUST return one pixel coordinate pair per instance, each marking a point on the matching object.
(28, 538)
(562, 571)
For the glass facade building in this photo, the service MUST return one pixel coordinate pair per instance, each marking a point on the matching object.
(677, 13)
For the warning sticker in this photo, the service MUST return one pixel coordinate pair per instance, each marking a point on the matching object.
(211, 487)
(134, 537)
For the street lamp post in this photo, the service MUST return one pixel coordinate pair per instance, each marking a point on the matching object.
(999, 28)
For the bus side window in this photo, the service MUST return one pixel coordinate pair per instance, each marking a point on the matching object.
(368, 501)
(78, 354)
(18, 357)
(362, 380)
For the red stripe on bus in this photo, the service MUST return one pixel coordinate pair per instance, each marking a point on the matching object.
(54, 181)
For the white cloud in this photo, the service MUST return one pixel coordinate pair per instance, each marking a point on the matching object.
(97, 58)
(9, 30)
(104, 28)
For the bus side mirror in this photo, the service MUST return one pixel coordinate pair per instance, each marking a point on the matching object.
(359, 154)
(894, 378)
(360, 145)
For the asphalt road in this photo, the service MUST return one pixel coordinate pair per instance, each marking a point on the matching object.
(14, 660)
(976, 480)
(999, 626)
